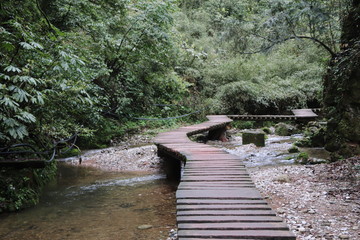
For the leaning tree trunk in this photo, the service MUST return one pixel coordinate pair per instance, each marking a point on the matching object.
(342, 90)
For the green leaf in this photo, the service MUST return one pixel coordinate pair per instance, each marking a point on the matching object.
(26, 45)
(3, 76)
(36, 45)
(7, 46)
(9, 103)
(11, 68)
(10, 122)
(27, 117)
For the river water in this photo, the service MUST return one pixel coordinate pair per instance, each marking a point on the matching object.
(86, 203)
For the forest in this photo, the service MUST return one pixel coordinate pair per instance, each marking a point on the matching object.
(100, 68)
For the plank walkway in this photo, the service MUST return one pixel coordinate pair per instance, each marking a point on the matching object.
(298, 115)
(216, 198)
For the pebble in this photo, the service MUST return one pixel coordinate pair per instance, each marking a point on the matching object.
(343, 236)
(144, 227)
(281, 210)
(312, 211)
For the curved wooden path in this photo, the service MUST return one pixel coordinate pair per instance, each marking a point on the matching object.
(216, 198)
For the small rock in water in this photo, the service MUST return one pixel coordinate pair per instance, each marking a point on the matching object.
(143, 227)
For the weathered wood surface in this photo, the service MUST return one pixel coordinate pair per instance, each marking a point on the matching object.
(216, 198)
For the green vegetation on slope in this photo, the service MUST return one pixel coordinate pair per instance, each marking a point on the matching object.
(262, 56)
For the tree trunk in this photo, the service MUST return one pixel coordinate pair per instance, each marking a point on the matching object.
(342, 90)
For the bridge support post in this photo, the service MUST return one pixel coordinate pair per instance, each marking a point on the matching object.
(172, 166)
(219, 134)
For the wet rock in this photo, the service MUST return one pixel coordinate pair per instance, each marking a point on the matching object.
(283, 129)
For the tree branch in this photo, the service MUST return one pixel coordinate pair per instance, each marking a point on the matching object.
(44, 15)
(327, 48)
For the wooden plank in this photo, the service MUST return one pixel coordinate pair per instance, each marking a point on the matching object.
(216, 187)
(234, 226)
(251, 234)
(213, 178)
(225, 212)
(241, 193)
(223, 207)
(219, 201)
(224, 219)
(219, 156)
(304, 113)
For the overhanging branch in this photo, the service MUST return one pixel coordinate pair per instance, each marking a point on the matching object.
(327, 48)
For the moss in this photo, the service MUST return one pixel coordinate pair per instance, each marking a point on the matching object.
(293, 149)
(266, 130)
(302, 158)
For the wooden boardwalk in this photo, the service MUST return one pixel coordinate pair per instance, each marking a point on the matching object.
(298, 115)
(216, 198)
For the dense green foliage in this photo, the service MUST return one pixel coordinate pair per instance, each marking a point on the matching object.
(65, 63)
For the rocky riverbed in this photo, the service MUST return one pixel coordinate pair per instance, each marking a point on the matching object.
(317, 201)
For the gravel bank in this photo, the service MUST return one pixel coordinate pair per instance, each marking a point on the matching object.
(317, 202)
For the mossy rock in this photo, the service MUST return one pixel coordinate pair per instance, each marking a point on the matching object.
(257, 138)
(293, 149)
(283, 129)
(266, 130)
(302, 158)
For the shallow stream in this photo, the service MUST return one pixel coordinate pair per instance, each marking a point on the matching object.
(86, 203)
